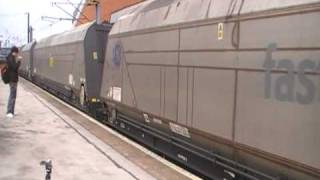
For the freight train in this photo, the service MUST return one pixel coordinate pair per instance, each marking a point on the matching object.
(228, 89)
(69, 64)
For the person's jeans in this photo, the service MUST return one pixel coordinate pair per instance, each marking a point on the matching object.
(12, 97)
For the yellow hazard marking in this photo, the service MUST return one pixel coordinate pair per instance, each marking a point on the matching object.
(95, 55)
(51, 61)
(95, 100)
(220, 31)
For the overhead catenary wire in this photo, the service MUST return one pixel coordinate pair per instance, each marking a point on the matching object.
(6, 15)
(56, 4)
(36, 20)
(54, 20)
(77, 9)
(46, 27)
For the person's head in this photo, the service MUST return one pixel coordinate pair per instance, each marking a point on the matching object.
(14, 51)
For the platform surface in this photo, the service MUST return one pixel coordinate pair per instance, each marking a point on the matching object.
(40, 131)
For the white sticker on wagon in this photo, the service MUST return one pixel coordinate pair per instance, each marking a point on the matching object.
(70, 79)
(116, 94)
(182, 157)
(82, 80)
(109, 93)
(146, 117)
(183, 131)
(95, 55)
(157, 121)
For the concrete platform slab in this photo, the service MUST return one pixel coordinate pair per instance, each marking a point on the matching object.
(38, 133)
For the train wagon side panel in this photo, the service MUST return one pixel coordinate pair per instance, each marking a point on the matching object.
(26, 66)
(278, 98)
(243, 84)
(58, 63)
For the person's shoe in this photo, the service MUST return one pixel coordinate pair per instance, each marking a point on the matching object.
(9, 115)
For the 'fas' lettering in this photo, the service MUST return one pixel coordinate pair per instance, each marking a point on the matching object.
(283, 88)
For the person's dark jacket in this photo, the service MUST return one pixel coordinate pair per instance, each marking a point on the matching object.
(13, 67)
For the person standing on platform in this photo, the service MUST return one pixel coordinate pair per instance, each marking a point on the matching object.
(13, 63)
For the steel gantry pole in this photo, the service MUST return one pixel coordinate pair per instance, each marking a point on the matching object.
(28, 28)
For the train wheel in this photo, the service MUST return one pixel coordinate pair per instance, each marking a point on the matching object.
(82, 96)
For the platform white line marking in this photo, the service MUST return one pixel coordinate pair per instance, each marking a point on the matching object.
(141, 148)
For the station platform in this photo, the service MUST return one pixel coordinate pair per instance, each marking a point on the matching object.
(79, 147)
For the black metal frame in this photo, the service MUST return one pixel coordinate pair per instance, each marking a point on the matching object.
(207, 164)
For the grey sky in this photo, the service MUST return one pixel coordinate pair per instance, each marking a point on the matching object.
(13, 18)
